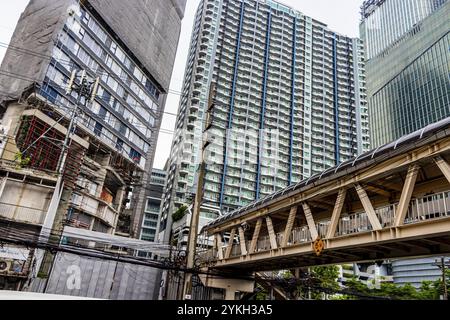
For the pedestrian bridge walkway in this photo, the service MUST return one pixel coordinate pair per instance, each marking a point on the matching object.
(389, 203)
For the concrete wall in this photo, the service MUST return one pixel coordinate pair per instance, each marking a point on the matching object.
(75, 275)
(36, 30)
(150, 29)
(26, 195)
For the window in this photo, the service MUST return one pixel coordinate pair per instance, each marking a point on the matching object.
(98, 129)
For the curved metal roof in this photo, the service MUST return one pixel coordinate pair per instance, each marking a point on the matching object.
(371, 155)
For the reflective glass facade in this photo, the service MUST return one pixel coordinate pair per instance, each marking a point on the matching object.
(417, 96)
(386, 21)
(408, 83)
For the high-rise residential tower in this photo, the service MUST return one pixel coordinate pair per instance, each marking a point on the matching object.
(288, 101)
(149, 231)
(407, 65)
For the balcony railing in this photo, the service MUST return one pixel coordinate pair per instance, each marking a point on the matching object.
(22, 214)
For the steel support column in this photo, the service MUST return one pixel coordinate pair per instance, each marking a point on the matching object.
(272, 236)
(405, 198)
(255, 236)
(443, 166)
(242, 241)
(340, 200)
(368, 207)
(289, 226)
(230, 243)
(311, 224)
(219, 245)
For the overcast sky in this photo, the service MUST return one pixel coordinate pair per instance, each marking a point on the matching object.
(341, 16)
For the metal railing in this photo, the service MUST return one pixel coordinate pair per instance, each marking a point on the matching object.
(429, 207)
(22, 214)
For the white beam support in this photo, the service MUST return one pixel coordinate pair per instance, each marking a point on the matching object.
(230, 243)
(443, 166)
(272, 235)
(310, 220)
(242, 241)
(219, 245)
(340, 200)
(405, 199)
(368, 207)
(255, 236)
(289, 226)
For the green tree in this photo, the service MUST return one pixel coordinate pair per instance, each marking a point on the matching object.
(327, 278)
(179, 214)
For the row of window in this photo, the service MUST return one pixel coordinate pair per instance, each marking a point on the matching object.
(418, 96)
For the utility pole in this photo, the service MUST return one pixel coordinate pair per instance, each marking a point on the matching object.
(443, 266)
(88, 90)
(193, 233)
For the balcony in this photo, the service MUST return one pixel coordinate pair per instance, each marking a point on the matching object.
(22, 214)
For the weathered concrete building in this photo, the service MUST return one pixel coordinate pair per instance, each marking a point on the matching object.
(130, 47)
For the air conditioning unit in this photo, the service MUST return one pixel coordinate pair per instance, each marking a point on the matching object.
(5, 265)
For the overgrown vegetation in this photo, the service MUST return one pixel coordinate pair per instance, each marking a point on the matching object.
(179, 214)
(21, 161)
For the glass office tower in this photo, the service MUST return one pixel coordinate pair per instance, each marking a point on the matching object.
(407, 65)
